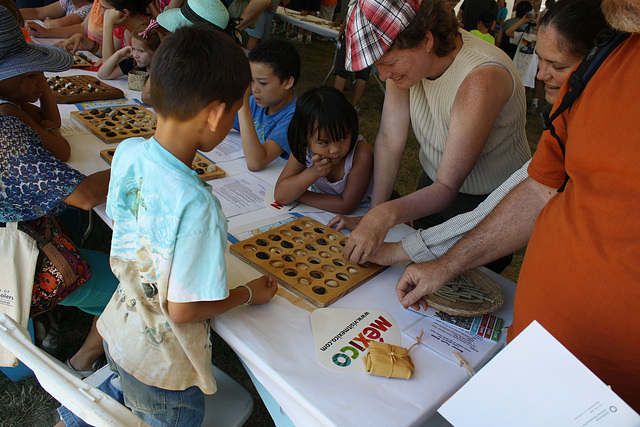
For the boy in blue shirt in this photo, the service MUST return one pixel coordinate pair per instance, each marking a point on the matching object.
(169, 236)
(264, 118)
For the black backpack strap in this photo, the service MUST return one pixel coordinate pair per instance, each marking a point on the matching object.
(606, 41)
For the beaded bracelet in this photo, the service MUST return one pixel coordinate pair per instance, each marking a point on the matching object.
(250, 294)
(52, 129)
(95, 47)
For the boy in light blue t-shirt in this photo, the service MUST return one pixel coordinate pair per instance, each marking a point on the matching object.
(169, 236)
(264, 118)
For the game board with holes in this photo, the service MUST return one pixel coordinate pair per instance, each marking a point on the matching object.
(305, 256)
(202, 165)
(72, 89)
(80, 60)
(114, 124)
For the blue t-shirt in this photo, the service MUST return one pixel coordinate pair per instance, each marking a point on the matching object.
(273, 126)
(169, 240)
(33, 183)
(502, 13)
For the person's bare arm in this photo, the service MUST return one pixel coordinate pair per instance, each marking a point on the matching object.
(110, 68)
(504, 231)
(37, 30)
(53, 10)
(91, 192)
(252, 12)
(65, 21)
(262, 290)
(145, 96)
(510, 32)
(112, 18)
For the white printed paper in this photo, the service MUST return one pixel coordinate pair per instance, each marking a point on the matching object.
(229, 149)
(70, 127)
(537, 382)
(239, 193)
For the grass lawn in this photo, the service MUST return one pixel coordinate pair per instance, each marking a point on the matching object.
(25, 403)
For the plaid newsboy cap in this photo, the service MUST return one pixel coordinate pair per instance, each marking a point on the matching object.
(372, 26)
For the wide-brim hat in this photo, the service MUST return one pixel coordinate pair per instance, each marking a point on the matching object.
(194, 11)
(19, 57)
(372, 26)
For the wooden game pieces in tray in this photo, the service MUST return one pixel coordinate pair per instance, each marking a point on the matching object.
(114, 124)
(470, 294)
(81, 61)
(82, 88)
(205, 168)
(305, 256)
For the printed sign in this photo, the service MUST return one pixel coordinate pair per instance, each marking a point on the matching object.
(342, 335)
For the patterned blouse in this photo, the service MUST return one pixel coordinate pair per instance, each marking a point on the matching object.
(69, 8)
(33, 183)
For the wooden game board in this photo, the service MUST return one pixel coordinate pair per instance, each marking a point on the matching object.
(305, 257)
(82, 88)
(203, 166)
(114, 124)
(80, 60)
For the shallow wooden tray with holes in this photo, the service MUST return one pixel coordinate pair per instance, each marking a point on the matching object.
(72, 89)
(203, 166)
(81, 61)
(114, 124)
(305, 257)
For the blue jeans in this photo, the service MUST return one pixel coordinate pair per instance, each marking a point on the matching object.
(157, 406)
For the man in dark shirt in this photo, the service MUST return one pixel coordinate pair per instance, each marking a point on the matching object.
(471, 9)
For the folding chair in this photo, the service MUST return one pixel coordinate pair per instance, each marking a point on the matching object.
(230, 406)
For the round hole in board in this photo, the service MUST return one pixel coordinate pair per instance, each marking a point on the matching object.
(298, 239)
(365, 265)
(275, 250)
(276, 264)
(261, 242)
(353, 270)
(285, 232)
(274, 237)
(286, 244)
(123, 132)
(319, 230)
(263, 255)
(342, 243)
(311, 247)
(289, 258)
(342, 276)
(249, 248)
(307, 223)
(321, 241)
(309, 235)
(333, 237)
(331, 283)
(314, 260)
(338, 262)
(304, 281)
(324, 254)
(316, 274)
(300, 252)
(296, 228)
(328, 268)
(320, 290)
(302, 266)
(290, 272)
(336, 249)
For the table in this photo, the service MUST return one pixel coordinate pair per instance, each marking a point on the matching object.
(275, 341)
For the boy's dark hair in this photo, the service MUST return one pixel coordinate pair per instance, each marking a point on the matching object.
(281, 56)
(522, 8)
(323, 109)
(487, 18)
(576, 23)
(195, 66)
(135, 6)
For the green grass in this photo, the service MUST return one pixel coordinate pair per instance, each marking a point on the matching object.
(25, 403)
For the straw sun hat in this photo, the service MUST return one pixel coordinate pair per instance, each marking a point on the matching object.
(194, 11)
(19, 57)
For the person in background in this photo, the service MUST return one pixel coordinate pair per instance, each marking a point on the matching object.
(269, 103)
(11, 7)
(435, 74)
(574, 235)
(504, 42)
(262, 30)
(156, 328)
(331, 164)
(485, 22)
(91, 26)
(470, 11)
(502, 14)
(59, 14)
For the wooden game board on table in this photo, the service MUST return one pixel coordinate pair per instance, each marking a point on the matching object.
(114, 124)
(305, 256)
(205, 168)
(80, 60)
(82, 88)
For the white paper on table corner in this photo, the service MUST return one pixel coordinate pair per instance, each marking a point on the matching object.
(535, 381)
(295, 207)
(240, 193)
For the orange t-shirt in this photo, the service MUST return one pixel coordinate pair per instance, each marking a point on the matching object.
(581, 275)
(95, 22)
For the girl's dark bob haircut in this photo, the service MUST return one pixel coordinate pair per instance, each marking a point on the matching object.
(323, 109)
